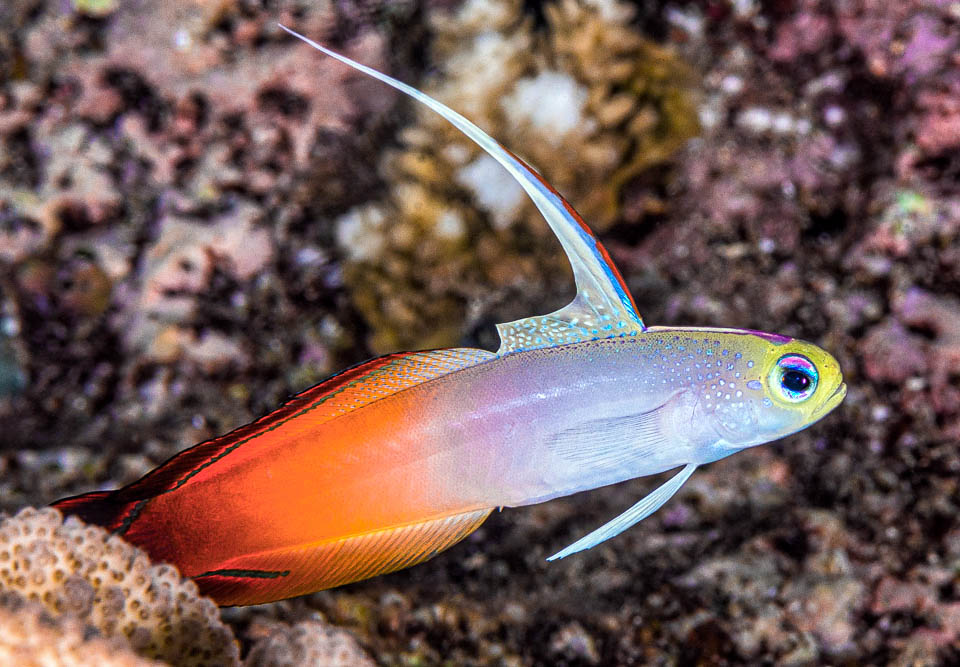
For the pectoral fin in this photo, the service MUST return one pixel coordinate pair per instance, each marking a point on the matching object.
(613, 442)
(650, 504)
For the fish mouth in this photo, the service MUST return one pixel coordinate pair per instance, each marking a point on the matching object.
(832, 401)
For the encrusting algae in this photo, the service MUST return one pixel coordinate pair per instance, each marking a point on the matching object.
(588, 100)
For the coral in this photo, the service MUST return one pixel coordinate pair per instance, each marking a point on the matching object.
(921, 33)
(920, 347)
(75, 189)
(588, 101)
(921, 596)
(908, 220)
(275, 89)
(80, 570)
(820, 200)
(30, 637)
(939, 316)
(308, 643)
(573, 641)
(177, 268)
(937, 126)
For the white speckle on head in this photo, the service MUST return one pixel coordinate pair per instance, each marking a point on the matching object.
(493, 188)
(755, 385)
(551, 102)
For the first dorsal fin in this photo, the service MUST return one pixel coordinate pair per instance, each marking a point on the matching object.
(603, 307)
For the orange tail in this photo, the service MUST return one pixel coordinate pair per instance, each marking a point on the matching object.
(97, 508)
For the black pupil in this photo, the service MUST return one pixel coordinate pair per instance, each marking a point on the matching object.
(795, 381)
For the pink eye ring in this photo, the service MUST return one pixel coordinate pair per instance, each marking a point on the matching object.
(794, 377)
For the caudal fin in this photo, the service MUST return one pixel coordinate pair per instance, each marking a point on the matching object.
(97, 508)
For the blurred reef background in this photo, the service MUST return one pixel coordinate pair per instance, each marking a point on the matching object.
(200, 216)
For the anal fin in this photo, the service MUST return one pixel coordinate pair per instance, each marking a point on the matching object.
(306, 568)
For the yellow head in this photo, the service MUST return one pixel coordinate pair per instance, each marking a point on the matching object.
(753, 387)
(788, 384)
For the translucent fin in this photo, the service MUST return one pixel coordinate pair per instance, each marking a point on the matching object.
(612, 443)
(650, 504)
(306, 568)
(603, 307)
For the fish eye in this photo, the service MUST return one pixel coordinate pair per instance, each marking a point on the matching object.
(794, 377)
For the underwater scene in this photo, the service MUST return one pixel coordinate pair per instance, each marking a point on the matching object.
(472, 389)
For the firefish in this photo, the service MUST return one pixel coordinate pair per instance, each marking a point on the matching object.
(390, 462)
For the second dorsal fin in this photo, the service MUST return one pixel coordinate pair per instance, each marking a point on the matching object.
(349, 390)
(603, 307)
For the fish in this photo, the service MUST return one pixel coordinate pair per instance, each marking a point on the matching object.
(390, 462)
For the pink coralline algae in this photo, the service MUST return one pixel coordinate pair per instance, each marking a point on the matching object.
(893, 354)
(920, 597)
(939, 316)
(921, 343)
(937, 127)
